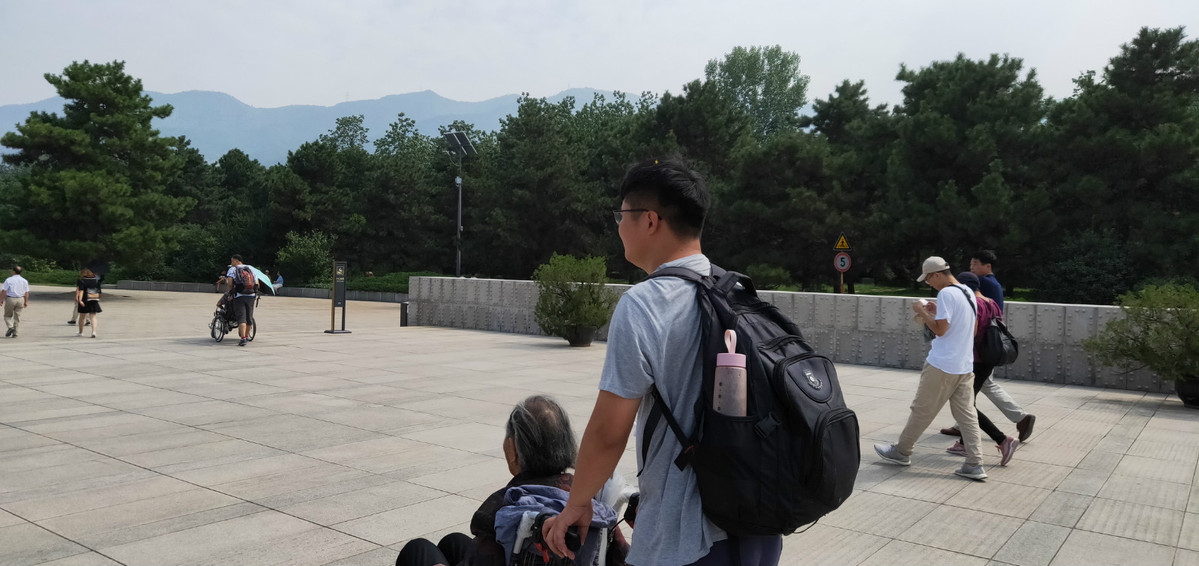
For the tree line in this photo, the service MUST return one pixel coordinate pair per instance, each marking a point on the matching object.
(1082, 198)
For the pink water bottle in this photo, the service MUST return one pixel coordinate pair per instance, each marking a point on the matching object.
(729, 394)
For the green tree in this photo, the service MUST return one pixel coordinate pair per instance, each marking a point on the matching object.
(766, 84)
(97, 174)
(1126, 154)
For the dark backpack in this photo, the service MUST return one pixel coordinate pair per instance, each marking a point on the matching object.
(795, 456)
(997, 346)
(244, 282)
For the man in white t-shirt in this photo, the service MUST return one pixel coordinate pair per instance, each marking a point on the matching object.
(948, 374)
(14, 295)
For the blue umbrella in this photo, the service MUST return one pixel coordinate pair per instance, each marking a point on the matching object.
(259, 275)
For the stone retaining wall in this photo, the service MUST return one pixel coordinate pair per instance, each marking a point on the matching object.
(282, 292)
(856, 329)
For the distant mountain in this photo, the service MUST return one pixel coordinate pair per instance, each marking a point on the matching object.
(216, 122)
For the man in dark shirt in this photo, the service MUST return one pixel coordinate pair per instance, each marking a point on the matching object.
(981, 264)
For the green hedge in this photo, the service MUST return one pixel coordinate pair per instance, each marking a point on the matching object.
(388, 283)
(66, 277)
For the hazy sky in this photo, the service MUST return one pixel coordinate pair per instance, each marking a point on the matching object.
(276, 53)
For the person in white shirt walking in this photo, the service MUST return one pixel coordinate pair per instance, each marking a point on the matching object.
(948, 374)
(15, 295)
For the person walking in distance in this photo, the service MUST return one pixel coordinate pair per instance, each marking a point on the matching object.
(87, 300)
(14, 294)
(982, 265)
(242, 285)
(947, 375)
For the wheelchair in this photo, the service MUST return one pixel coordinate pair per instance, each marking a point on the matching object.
(224, 321)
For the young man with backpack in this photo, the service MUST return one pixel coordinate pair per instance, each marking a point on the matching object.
(948, 370)
(242, 287)
(654, 341)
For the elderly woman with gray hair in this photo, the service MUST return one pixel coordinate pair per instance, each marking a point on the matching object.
(539, 446)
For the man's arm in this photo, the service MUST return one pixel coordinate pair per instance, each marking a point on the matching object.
(3, 294)
(602, 446)
(939, 327)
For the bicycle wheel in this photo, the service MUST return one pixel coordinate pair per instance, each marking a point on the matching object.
(252, 330)
(218, 327)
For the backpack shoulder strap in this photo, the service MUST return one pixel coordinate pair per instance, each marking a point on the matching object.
(969, 300)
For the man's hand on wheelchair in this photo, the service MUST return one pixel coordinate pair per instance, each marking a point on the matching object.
(554, 530)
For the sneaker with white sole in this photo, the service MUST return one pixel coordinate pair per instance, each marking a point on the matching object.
(958, 449)
(972, 472)
(889, 453)
(1006, 449)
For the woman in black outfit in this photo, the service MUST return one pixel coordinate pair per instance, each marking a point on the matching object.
(87, 297)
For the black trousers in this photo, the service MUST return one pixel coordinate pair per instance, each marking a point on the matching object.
(981, 373)
(744, 551)
(449, 552)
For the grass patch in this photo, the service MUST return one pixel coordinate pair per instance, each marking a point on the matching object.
(64, 277)
(387, 283)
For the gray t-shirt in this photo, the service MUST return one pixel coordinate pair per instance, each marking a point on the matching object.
(654, 339)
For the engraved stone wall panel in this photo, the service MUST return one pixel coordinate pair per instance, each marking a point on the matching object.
(1080, 323)
(846, 308)
(1021, 319)
(803, 311)
(1051, 322)
(1112, 378)
(895, 314)
(870, 313)
(1047, 363)
(825, 311)
(1077, 368)
(870, 347)
(847, 347)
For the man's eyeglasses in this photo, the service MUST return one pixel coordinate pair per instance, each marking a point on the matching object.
(619, 214)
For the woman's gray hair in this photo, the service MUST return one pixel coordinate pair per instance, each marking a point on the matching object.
(540, 431)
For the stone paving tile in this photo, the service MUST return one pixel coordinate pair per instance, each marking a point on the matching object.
(382, 556)
(1032, 474)
(1093, 549)
(27, 544)
(1189, 538)
(57, 505)
(1132, 520)
(1062, 508)
(1147, 492)
(1186, 558)
(1084, 482)
(924, 485)
(266, 538)
(1161, 470)
(1000, 498)
(878, 514)
(8, 519)
(824, 545)
(147, 518)
(1033, 544)
(85, 559)
(422, 519)
(363, 502)
(900, 553)
(482, 474)
(962, 530)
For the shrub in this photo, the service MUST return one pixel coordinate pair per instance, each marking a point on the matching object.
(1091, 268)
(388, 283)
(767, 276)
(306, 258)
(1159, 331)
(572, 295)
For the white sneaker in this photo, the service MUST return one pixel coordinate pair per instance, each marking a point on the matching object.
(80, 335)
(93, 335)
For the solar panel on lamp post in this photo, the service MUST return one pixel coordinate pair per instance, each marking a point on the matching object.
(460, 147)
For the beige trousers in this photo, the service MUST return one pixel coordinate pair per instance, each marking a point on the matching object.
(12, 311)
(935, 389)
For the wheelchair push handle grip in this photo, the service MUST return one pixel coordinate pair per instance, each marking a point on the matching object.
(572, 533)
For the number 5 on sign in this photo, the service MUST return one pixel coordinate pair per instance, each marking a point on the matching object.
(842, 262)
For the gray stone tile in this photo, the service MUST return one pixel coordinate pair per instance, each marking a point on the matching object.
(378, 557)
(149, 517)
(26, 544)
(900, 553)
(1162, 470)
(1146, 491)
(1093, 549)
(1003, 499)
(1132, 520)
(417, 520)
(837, 546)
(1034, 544)
(1062, 508)
(963, 531)
(1189, 538)
(925, 485)
(1084, 482)
(95, 498)
(360, 503)
(878, 514)
(85, 559)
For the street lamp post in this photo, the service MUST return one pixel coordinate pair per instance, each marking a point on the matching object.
(460, 147)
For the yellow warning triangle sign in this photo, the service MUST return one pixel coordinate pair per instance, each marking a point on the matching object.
(842, 243)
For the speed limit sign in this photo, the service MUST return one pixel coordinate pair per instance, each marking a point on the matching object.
(842, 262)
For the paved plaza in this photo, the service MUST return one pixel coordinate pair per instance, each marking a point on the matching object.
(153, 445)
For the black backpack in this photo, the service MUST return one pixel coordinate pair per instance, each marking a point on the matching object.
(795, 456)
(997, 347)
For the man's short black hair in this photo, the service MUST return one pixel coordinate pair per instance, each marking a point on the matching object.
(672, 189)
(16, 269)
(238, 258)
(986, 257)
